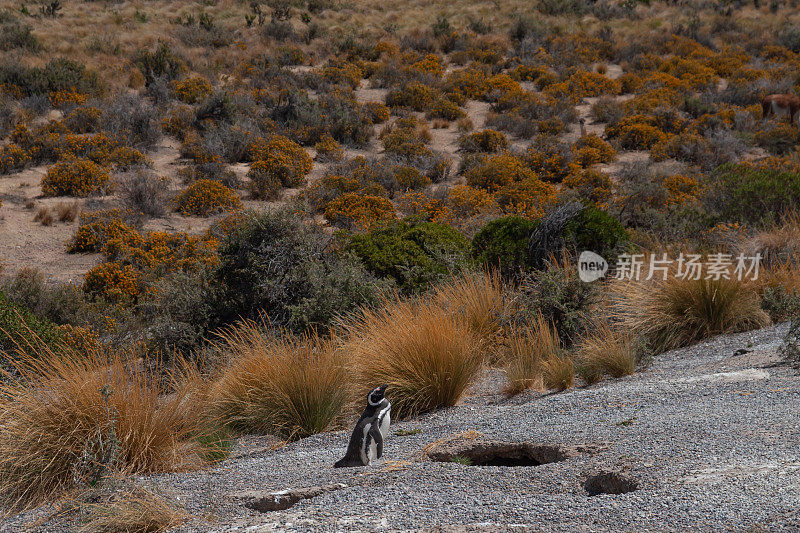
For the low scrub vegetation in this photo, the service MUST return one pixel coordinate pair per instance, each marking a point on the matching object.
(679, 312)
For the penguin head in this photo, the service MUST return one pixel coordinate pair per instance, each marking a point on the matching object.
(375, 396)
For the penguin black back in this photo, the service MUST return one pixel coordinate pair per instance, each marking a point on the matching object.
(369, 431)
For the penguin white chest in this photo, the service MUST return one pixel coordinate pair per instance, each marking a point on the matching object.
(386, 420)
(367, 445)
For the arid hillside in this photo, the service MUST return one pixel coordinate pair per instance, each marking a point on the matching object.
(223, 222)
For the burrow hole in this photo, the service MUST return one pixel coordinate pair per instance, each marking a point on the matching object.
(503, 454)
(609, 483)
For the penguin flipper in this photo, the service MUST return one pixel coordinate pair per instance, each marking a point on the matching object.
(376, 435)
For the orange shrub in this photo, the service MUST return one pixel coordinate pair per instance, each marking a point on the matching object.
(549, 158)
(464, 201)
(529, 72)
(414, 95)
(694, 74)
(328, 149)
(97, 228)
(277, 162)
(192, 90)
(113, 281)
(13, 157)
(360, 211)
(159, 252)
(98, 147)
(377, 112)
(409, 177)
(499, 170)
(206, 197)
(629, 83)
(471, 82)
(591, 184)
(124, 157)
(344, 73)
(446, 109)
(405, 139)
(591, 149)
(584, 84)
(483, 141)
(430, 64)
(178, 121)
(74, 177)
(681, 189)
(504, 83)
(68, 96)
(417, 203)
(79, 338)
(647, 101)
(641, 137)
(528, 197)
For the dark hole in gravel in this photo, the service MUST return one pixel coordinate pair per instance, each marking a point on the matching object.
(503, 454)
(609, 483)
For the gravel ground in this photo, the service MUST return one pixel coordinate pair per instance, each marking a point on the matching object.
(711, 439)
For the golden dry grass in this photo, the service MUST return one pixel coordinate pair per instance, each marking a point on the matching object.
(777, 245)
(476, 298)
(558, 372)
(606, 351)
(132, 510)
(276, 383)
(528, 351)
(677, 312)
(426, 356)
(69, 418)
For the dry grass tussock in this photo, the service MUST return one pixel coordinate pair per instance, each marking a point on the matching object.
(69, 419)
(777, 245)
(606, 351)
(276, 383)
(677, 312)
(131, 510)
(478, 299)
(427, 356)
(529, 351)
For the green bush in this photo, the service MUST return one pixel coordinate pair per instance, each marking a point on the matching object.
(503, 244)
(413, 254)
(57, 75)
(14, 35)
(745, 194)
(561, 297)
(20, 328)
(158, 64)
(595, 230)
(275, 263)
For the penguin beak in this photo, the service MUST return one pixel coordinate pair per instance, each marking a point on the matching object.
(383, 388)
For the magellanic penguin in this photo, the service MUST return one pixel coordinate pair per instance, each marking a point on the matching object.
(366, 443)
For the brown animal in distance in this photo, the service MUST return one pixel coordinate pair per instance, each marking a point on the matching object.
(773, 104)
